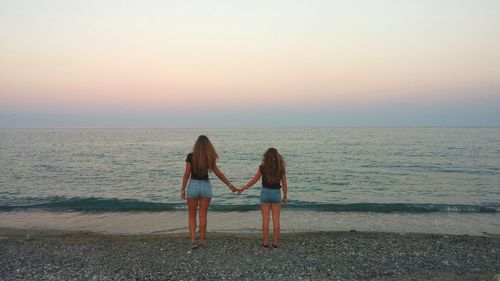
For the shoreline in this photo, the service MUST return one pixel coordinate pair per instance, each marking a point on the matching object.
(137, 223)
(33, 234)
(342, 255)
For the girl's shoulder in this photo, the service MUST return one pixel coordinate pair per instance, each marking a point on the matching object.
(261, 168)
(189, 157)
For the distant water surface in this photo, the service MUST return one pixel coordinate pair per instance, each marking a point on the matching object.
(410, 170)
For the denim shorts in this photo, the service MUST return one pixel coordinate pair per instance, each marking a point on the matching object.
(268, 196)
(197, 189)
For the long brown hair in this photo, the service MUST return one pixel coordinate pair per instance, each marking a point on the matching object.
(273, 165)
(204, 156)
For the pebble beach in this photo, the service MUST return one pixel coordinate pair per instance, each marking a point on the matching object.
(351, 255)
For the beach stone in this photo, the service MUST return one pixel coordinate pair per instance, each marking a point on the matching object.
(357, 256)
(496, 277)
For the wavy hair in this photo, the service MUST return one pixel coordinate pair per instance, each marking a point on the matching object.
(273, 165)
(204, 156)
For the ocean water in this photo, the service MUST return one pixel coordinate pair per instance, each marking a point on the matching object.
(330, 171)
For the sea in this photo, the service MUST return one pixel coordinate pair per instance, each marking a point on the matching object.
(128, 181)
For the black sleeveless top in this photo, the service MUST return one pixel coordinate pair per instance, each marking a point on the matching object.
(266, 183)
(194, 175)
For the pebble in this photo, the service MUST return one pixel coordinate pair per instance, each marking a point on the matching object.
(313, 256)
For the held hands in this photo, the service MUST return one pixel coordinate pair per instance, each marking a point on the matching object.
(240, 190)
(233, 188)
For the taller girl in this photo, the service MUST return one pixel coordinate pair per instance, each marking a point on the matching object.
(272, 171)
(199, 191)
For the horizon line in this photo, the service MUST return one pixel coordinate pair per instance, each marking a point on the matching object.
(267, 127)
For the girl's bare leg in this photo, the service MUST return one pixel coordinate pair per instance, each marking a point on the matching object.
(192, 206)
(265, 209)
(204, 202)
(276, 208)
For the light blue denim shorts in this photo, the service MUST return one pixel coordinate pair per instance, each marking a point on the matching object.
(268, 196)
(199, 189)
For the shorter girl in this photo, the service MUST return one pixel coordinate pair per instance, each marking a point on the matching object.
(272, 171)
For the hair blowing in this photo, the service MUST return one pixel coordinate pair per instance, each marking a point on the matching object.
(273, 165)
(204, 156)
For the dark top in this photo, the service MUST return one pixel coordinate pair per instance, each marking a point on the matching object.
(194, 175)
(266, 183)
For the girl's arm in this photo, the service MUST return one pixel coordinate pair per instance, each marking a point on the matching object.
(252, 181)
(185, 178)
(285, 189)
(223, 178)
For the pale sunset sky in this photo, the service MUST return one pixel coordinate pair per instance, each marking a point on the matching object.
(116, 63)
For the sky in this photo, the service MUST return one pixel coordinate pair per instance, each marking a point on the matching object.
(117, 63)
